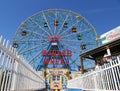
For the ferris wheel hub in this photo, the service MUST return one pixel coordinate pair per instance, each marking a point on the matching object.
(54, 38)
(54, 43)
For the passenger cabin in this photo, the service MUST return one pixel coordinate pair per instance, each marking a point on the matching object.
(15, 45)
(65, 25)
(45, 24)
(79, 37)
(56, 23)
(83, 46)
(23, 33)
(74, 30)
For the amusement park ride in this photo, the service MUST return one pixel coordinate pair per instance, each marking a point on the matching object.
(52, 40)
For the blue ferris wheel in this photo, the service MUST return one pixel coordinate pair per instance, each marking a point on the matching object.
(55, 38)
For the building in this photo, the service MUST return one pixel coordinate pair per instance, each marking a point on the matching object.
(110, 47)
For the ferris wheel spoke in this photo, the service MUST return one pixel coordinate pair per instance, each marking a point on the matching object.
(68, 40)
(50, 17)
(89, 37)
(48, 14)
(77, 41)
(43, 35)
(74, 61)
(37, 54)
(39, 26)
(71, 26)
(88, 41)
(63, 23)
(86, 30)
(62, 44)
(91, 43)
(75, 53)
(69, 46)
(30, 49)
(47, 23)
(14, 40)
(21, 48)
(55, 20)
(27, 41)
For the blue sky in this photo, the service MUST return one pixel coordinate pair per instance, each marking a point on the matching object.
(102, 14)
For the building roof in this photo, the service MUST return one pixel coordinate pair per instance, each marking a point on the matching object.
(101, 50)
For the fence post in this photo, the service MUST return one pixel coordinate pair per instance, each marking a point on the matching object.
(114, 77)
(95, 81)
(3, 63)
(118, 59)
(14, 76)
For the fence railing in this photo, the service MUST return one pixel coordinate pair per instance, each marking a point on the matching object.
(15, 73)
(103, 78)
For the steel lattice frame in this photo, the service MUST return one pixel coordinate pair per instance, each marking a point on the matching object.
(77, 35)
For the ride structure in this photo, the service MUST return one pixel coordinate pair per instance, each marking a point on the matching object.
(52, 40)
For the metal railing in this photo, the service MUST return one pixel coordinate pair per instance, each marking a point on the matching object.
(103, 78)
(15, 73)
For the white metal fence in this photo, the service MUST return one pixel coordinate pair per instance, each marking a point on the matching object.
(15, 73)
(105, 78)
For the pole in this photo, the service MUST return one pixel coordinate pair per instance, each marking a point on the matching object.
(81, 62)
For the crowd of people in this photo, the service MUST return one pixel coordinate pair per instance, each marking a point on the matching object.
(102, 60)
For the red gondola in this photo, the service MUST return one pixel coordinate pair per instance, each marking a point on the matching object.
(24, 33)
(74, 30)
(56, 23)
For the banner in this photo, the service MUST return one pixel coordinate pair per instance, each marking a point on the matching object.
(110, 35)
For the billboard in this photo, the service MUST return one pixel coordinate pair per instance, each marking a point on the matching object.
(110, 35)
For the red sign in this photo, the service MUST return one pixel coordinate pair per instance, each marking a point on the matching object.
(54, 61)
(57, 53)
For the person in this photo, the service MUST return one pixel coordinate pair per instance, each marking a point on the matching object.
(106, 58)
(97, 66)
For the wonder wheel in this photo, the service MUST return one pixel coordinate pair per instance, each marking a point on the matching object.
(55, 38)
